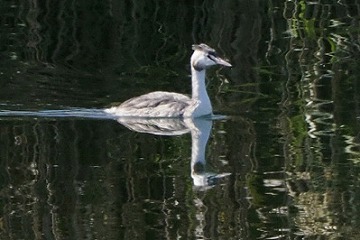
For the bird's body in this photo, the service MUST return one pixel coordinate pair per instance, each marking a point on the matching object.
(154, 104)
(170, 104)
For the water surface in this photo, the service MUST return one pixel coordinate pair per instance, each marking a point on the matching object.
(283, 164)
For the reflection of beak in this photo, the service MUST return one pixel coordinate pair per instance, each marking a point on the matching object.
(221, 61)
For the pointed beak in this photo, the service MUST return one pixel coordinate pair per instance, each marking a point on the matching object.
(221, 61)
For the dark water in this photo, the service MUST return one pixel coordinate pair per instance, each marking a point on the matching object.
(283, 164)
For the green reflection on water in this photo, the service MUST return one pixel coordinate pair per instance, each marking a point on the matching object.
(291, 143)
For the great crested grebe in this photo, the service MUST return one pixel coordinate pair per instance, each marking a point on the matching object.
(169, 104)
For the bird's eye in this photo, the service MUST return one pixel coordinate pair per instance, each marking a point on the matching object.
(211, 57)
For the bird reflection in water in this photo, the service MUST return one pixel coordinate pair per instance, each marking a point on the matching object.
(199, 129)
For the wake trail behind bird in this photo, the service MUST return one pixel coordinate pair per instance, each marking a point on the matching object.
(81, 113)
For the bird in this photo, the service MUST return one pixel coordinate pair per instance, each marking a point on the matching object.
(161, 104)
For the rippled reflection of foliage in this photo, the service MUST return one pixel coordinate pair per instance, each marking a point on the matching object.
(296, 163)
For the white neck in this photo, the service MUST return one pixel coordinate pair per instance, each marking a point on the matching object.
(199, 93)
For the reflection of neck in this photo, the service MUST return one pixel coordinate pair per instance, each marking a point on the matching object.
(200, 132)
(199, 92)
